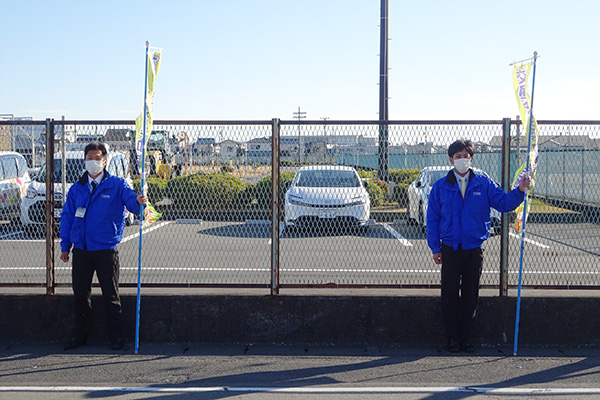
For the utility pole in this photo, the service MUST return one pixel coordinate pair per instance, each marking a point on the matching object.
(325, 137)
(299, 115)
(383, 93)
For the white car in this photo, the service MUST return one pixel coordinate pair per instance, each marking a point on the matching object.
(418, 195)
(33, 206)
(325, 193)
(14, 179)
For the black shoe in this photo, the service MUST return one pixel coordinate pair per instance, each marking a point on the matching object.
(117, 344)
(466, 346)
(74, 343)
(453, 346)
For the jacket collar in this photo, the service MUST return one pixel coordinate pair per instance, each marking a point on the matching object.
(451, 178)
(84, 178)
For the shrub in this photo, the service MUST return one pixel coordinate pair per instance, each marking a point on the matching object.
(156, 188)
(376, 193)
(262, 189)
(217, 191)
(402, 178)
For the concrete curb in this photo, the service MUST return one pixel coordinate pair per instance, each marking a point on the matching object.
(341, 320)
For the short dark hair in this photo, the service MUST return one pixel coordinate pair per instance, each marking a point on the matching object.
(95, 145)
(460, 145)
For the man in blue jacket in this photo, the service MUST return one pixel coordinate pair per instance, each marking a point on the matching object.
(92, 223)
(458, 222)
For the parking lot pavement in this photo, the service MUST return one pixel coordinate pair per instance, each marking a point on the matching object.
(249, 371)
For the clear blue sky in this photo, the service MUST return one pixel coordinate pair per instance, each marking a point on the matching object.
(261, 59)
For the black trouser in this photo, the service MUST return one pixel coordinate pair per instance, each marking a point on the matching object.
(106, 265)
(461, 270)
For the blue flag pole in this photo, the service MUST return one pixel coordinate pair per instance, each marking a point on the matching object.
(142, 183)
(525, 201)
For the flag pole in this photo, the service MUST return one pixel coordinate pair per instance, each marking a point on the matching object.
(142, 184)
(525, 205)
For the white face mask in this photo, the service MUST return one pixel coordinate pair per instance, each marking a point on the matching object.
(94, 167)
(462, 165)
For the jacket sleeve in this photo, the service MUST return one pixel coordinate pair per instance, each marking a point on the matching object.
(502, 201)
(66, 220)
(129, 198)
(434, 212)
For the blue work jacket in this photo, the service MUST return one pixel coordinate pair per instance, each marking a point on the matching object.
(455, 221)
(96, 220)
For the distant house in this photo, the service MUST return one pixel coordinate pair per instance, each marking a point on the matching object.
(259, 150)
(204, 150)
(119, 139)
(288, 148)
(230, 150)
(421, 148)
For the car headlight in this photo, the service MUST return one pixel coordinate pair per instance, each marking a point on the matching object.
(31, 193)
(357, 201)
(297, 201)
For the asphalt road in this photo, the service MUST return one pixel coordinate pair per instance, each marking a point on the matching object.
(268, 372)
(193, 251)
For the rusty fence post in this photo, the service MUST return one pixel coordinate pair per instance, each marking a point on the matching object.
(49, 209)
(275, 207)
(504, 220)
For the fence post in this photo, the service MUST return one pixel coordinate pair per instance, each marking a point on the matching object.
(49, 209)
(504, 219)
(275, 207)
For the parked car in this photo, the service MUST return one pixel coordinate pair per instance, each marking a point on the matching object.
(325, 193)
(33, 206)
(14, 180)
(418, 196)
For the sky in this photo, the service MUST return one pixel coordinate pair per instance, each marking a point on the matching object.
(263, 59)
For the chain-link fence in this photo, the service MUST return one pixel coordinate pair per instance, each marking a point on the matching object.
(339, 220)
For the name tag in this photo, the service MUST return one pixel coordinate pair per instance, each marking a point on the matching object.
(80, 213)
(105, 196)
(476, 193)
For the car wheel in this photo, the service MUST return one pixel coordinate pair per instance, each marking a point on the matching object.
(31, 230)
(130, 219)
(362, 230)
(422, 218)
(410, 221)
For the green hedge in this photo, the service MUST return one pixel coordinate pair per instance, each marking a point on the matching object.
(262, 189)
(206, 192)
(156, 188)
(402, 178)
(223, 191)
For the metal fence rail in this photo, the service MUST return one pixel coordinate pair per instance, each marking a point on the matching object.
(213, 181)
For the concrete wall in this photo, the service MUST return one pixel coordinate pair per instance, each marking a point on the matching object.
(306, 319)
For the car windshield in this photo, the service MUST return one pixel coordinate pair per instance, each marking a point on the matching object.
(327, 178)
(434, 176)
(75, 167)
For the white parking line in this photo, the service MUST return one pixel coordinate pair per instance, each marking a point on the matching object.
(312, 390)
(527, 240)
(8, 235)
(397, 235)
(159, 225)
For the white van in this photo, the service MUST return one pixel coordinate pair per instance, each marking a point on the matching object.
(33, 206)
(14, 180)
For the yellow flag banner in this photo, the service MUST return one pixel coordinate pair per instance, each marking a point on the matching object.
(154, 61)
(529, 167)
(150, 215)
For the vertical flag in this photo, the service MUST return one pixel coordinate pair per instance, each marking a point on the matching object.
(154, 61)
(520, 78)
(143, 128)
(141, 139)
